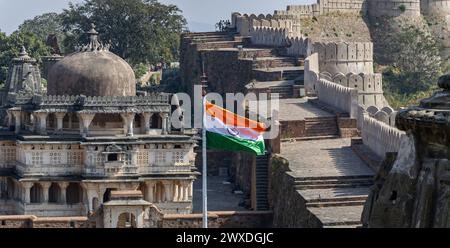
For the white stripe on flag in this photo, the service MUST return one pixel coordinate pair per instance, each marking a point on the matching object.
(217, 126)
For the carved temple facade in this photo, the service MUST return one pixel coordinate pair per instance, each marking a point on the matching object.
(63, 155)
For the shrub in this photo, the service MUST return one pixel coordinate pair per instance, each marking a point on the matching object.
(140, 70)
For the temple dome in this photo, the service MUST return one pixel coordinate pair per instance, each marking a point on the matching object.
(92, 71)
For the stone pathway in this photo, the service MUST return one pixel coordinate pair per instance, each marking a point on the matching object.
(294, 109)
(220, 195)
(332, 179)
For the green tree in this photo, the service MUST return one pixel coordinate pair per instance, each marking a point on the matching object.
(43, 25)
(140, 31)
(415, 54)
(10, 47)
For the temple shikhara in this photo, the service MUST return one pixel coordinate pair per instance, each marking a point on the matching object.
(64, 153)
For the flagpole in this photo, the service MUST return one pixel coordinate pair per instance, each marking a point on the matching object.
(204, 171)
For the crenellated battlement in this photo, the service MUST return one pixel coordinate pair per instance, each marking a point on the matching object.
(245, 23)
(374, 8)
(344, 57)
(298, 46)
(324, 7)
(269, 36)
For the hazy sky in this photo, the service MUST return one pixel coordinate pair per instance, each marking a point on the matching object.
(201, 14)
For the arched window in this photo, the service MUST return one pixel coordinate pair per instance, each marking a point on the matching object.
(126, 220)
(137, 121)
(102, 121)
(36, 193)
(10, 188)
(54, 193)
(156, 122)
(75, 121)
(113, 157)
(107, 195)
(74, 193)
(52, 122)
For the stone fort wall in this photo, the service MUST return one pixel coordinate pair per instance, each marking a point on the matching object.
(349, 64)
(394, 8)
(324, 7)
(374, 8)
(378, 130)
(369, 86)
(268, 36)
(245, 23)
(435, 7)
(340, 57)
(219, 219)
(360, 95)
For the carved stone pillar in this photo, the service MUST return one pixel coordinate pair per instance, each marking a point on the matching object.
(17, 120)
(175, 192)
(9, 117)
(164, 117)
(85, 121)
(180, 192)
(167, 191)
(41, 123)
(45, 187)
(147, 117)
(191, 190)
(63, 187)
(27, 186)
(150, 191)
(128, 120)
(59, 121)
(91, 194)
(186, 192)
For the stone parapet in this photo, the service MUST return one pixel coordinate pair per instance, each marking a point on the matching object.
(223, 219)
(90, 101)
(31, 221)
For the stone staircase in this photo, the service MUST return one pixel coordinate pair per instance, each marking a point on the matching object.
(262, 182)
(269, 64)
(257, 53)
(283, 88)
(216, 40)
(323, 126)
(335, 201)
(274, 62)
(282, 80)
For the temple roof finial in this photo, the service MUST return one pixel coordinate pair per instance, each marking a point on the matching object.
(94, 44)
(23, 56)
(92, 31)
(23, 52)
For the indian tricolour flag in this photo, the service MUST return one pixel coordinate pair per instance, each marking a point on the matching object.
(228, 131)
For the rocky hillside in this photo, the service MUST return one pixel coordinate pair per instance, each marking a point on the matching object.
(336, 27)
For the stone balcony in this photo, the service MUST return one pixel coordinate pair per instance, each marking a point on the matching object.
(107, 170)
(48, 170)
(158, 169)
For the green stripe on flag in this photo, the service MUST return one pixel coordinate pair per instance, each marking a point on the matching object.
(230, 143)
